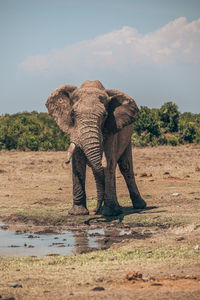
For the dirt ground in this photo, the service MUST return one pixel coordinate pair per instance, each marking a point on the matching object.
(160, 259)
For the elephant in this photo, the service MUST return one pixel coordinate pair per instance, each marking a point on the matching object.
(99, 122)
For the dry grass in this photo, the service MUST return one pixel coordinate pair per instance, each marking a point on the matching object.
(35, 189)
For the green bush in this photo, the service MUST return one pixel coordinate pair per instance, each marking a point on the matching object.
(169, 116)
(140, 140)
(31, 131)
(37, 131)
(187, 131)
(162, 140)
(147, 121)
(173, 140)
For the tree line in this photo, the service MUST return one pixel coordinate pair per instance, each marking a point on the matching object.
(165, 126)
(37, 131)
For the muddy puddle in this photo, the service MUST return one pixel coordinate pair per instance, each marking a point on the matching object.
(21, 243)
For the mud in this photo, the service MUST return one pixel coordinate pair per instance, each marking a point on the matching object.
(44, 241)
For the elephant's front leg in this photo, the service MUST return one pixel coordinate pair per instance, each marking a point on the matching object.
(79, 195)
(111, 206)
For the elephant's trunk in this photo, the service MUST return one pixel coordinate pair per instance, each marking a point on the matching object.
(91, 144)
(92, 147)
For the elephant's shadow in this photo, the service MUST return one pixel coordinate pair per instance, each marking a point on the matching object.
(126, 210)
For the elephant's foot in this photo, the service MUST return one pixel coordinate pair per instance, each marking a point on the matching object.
(78, 210)
(138, 202)
(111, 210)
(98, 209)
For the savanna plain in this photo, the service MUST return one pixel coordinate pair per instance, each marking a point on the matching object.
(158, 255)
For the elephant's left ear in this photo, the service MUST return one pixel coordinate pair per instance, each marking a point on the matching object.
(122, 111)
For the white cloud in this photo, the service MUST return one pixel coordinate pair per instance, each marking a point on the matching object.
(125, 47)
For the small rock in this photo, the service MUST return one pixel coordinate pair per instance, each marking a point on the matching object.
(30, 236)
(25, 245)
(166, 173)
(112, 258)
(143, 175)
(59, 189)
(197, 169)
(181, 238)
(197, 198)
(196, 248)
(99, 279)
(147, 251)
(106, 241)
(31, 246)
(134, 275)
(18, 232)
(156, 284)
(4, 227)
(15, 285)
(175, 194)
(152, 278)
(98, 288)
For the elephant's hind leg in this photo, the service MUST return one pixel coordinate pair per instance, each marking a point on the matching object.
(126, 167)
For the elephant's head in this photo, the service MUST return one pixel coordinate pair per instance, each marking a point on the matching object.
(86, 113)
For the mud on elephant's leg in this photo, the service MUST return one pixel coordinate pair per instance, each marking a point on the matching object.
(79, 195)
(126, 167)
(111, 206)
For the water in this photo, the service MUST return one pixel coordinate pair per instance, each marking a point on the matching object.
(17, 243)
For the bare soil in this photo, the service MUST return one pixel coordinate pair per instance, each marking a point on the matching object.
(164, 244)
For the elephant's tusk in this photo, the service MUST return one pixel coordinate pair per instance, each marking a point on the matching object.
(104, 160)
(70, 152)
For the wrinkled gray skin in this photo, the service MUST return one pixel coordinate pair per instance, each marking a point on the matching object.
(98, 121)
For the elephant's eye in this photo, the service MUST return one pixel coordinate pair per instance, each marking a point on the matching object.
(105, 114)
(72, 114)
(102, 99)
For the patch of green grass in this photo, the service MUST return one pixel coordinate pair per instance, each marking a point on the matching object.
(107, 258)
(163, 221)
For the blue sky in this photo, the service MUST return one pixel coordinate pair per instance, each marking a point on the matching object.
(149, 49)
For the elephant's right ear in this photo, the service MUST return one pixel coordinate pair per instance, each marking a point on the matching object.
(59, 106)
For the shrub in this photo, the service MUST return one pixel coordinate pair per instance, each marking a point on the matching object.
(162, 140)
(169, 116)
(37, 131)
(147, 121)
(188, 132)
(173, 140)
(31, 131)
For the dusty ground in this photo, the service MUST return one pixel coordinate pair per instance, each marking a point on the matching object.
(36, 193)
